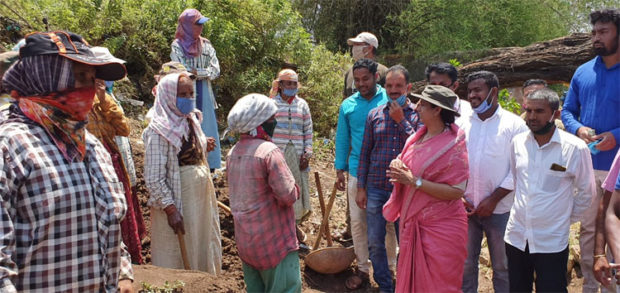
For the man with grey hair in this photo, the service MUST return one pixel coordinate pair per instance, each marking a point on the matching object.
(553, 174)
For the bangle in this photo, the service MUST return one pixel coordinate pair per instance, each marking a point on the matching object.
(600, 255)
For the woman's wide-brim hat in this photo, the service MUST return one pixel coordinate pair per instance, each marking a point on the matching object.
(439, 96)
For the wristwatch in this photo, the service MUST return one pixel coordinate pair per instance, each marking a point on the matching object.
(418, 182)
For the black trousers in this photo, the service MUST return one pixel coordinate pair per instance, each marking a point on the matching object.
(550, 269)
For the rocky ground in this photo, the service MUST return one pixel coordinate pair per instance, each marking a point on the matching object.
(231, 279)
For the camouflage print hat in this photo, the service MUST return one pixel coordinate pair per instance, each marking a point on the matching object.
(6, 60)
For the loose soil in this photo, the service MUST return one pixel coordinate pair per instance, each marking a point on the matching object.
(231, 278)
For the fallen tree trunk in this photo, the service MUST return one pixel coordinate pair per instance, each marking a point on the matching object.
(554, 61)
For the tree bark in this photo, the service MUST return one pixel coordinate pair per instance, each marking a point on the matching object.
(554, 61)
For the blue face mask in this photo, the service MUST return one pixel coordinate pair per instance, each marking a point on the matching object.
(485, 105)
(289, 92)
(402, 100)
(186, 105)
(109, 85)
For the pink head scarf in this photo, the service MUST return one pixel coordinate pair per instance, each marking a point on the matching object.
(188, 32)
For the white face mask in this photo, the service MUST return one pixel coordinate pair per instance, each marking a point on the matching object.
(358, 52)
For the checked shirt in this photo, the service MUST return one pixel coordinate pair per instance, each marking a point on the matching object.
(59, 221)
(262, 193)
(383, 141)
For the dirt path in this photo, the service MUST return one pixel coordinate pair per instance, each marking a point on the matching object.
(231, 279)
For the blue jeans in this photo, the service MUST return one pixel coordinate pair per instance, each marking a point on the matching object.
(376, 237)
(494, 227)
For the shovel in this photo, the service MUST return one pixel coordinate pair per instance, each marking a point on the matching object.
(329, 260)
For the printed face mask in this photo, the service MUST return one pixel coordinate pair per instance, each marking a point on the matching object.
(358, 52)
(186, 105)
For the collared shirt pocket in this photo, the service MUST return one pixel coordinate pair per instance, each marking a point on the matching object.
(553, 180)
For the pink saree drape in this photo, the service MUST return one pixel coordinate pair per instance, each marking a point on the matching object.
(433, 232)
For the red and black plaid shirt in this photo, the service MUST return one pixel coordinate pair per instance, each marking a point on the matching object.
(383, 141)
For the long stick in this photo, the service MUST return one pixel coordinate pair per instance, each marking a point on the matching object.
(317, 179)
(325, 221)
(224, 207)
(183, 251)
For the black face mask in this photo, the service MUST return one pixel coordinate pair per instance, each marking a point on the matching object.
(548, 127)
(269, 126)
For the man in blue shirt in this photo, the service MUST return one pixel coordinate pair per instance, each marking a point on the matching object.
(591, 112)
(387, 129)
(351, 124)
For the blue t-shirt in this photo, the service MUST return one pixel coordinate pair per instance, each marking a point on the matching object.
(351, 123)
(593, 100)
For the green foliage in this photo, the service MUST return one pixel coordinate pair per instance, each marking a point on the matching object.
(176, 287)
(455, 62)
(323, 87)
(508, 102)
(429, 27)
(333, 22)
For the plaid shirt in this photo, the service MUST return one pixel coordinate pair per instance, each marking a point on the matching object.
(162, 175)
(383, 141)
(262, 193)
(59, 221)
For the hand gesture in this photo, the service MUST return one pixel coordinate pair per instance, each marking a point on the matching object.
(396, 112)
(608, 141)
(399, 172)
(210, 143)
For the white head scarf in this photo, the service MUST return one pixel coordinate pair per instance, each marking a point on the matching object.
(250, 112)
(167, 120)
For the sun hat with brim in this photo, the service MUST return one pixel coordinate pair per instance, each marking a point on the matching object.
(439, 96)
(72, 47)
(364, 37)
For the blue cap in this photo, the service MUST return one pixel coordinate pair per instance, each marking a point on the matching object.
(202, 20)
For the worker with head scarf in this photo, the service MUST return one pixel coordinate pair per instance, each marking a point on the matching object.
(182, 195)
(197, 55)
(262, 192)
(62, 202)
(293, 135)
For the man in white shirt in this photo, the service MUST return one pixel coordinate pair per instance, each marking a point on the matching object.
(554, 185)
(489, 131)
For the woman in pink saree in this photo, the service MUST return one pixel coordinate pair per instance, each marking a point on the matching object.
(429, 179)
